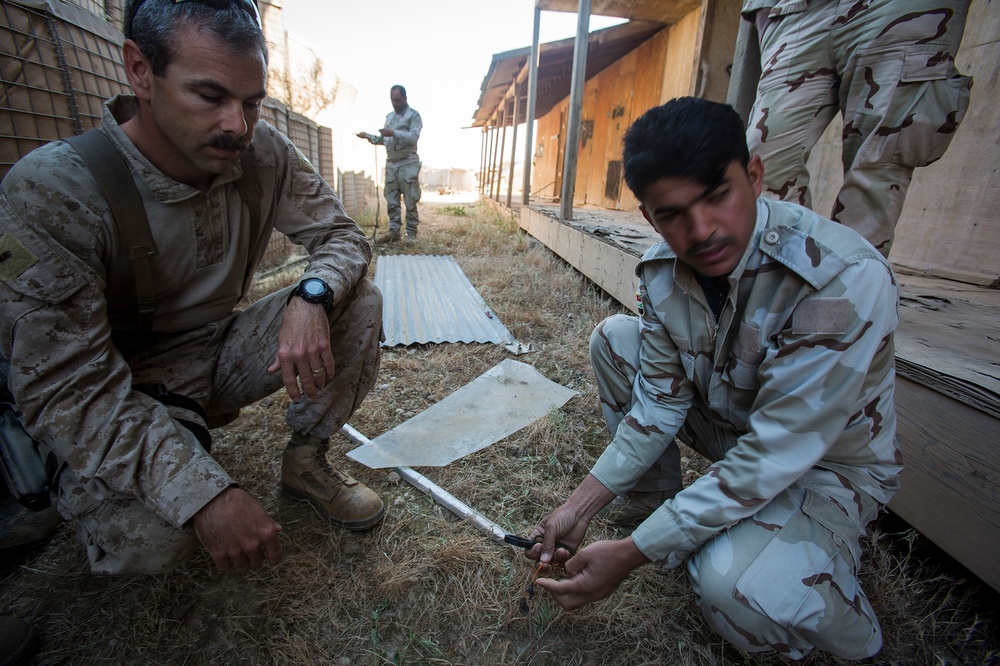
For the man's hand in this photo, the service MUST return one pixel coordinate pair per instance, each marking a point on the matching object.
(568, 524)
(564, 525)
(304, 354)
(385, 131)
(364, 135)
(594, 572)
(237, 532)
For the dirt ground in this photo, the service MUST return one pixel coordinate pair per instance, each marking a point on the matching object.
(424, 587)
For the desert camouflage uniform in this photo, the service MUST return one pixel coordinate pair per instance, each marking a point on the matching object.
(402, 167)
(888, 66)
(789, 393)
(135, 476)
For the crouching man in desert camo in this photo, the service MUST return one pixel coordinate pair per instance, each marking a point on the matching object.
(765, 342)
(123, 396)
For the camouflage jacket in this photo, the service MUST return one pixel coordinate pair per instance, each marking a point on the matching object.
(70, 382)
(401, 148)
(776, 7)
(797, 372)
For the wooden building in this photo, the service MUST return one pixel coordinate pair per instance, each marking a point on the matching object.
(946, 253)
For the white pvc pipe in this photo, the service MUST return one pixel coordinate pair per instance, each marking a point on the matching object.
(439, 494)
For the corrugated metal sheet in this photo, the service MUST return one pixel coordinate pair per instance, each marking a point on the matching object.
(427, 298)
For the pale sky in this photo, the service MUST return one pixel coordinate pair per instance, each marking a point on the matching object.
(440, 50)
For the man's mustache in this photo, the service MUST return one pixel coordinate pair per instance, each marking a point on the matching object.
(710, 245)
(227, 142)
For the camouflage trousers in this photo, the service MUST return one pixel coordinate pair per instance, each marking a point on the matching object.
(223, 367)
(402, 181)
(889, 68)
(783, 580)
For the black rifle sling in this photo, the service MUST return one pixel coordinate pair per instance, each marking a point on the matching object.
(115, 180)
(251, 193)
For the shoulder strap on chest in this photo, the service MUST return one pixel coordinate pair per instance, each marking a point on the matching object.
(115, 180)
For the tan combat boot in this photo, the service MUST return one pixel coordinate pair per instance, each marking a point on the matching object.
(306, 475)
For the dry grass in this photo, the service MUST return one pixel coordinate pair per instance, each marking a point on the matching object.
(424, 588)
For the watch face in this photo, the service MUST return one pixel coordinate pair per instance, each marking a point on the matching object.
(314, 287)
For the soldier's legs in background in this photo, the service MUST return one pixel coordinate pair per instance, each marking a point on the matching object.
(785, 579)
(392, 193)
(614, 355)
(796, 97)
(903, 100)
(409, 179)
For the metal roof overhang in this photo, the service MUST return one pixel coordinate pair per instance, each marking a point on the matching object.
(554, 69)
(659, 11)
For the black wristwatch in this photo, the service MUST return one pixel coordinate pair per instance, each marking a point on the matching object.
(313, 290)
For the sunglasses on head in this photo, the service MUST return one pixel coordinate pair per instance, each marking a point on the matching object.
(249, 6)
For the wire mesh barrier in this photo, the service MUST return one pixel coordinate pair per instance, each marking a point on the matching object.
(358, 194)
(60, 63)
(62, 60)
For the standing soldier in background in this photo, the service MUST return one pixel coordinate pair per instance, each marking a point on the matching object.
(888, 66)
(402, 167)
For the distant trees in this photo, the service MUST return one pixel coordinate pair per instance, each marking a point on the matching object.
(300, 86)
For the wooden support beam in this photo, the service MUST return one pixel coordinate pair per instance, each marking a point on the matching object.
(482, 160)
(529, 121)
(577, 84)
(503, 144)
(513, 145)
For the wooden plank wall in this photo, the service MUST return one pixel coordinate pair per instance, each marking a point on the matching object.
(949, 478)
(612, 100)
(549, 133)
(621, 93)
(680, 73)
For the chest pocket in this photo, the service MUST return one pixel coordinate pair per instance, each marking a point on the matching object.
(744, 359)
(686, 356)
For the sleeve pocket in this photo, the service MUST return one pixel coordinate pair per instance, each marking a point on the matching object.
(47, 276)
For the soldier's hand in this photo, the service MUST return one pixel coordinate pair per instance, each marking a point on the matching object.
(565, 526)
(237, 532)
(385, 131)
(304, 355)
(594, 572)
(568, 524)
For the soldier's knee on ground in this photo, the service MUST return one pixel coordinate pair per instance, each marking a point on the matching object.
(787, 596)
(360, 311)
(612, 333)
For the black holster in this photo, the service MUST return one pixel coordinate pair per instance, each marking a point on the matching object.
(29, 472)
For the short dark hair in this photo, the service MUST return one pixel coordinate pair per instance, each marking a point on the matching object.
(155, 22)
(401, 89)
(686, 137)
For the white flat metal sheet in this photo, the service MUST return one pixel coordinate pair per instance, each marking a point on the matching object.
(428, 299)
(498, 403)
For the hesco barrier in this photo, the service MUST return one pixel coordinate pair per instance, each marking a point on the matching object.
(61, 61)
